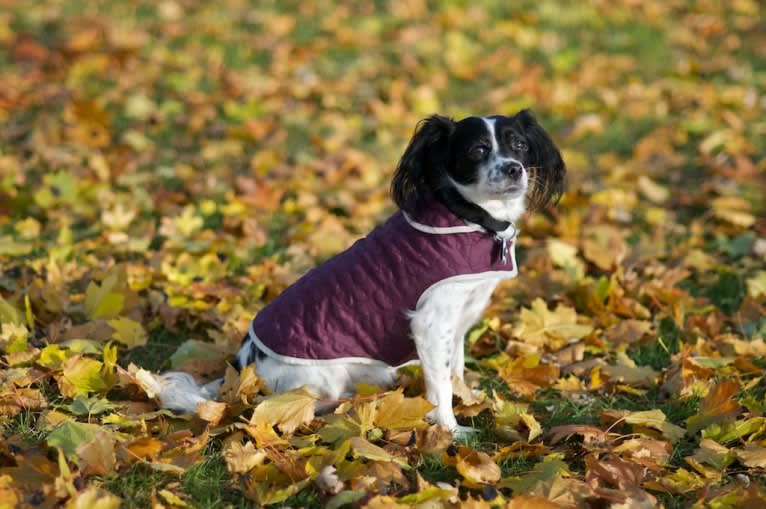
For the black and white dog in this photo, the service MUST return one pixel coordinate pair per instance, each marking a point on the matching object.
(413, 287)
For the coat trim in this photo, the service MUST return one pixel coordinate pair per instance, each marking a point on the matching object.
(442, 230)
(311, 362)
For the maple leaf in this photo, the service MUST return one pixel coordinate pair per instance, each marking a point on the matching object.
(101, 301)
(394, 411)
(82, 375)
(541, 327)
(287, 410)
(241, 458)
(128, 332)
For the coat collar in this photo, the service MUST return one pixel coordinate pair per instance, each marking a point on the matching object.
(436, 219)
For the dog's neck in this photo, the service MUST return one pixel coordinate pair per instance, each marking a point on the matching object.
(458, 205)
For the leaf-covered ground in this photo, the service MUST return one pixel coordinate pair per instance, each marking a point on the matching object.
(167, 168)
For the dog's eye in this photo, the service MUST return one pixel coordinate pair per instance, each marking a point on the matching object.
(478, 152)
(518, 144)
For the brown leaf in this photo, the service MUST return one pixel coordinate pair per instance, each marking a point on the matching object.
(477, 468)
(653, 454)
(627, 331)
(717, 406)
(592, 436)
(97, 456)
(525, 375)
(604, 246)
(613, 470)
(211, 411)
(752, 455)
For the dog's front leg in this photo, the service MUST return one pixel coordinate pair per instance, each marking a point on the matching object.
(435, 354)
(434, 326)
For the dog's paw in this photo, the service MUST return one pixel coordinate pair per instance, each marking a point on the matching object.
(463, 432)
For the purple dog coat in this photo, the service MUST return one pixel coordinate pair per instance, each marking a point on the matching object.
(354, 306)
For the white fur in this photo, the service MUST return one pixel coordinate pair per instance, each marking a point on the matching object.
(443, 316)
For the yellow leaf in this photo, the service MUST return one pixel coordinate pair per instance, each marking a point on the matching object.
(540, 327)
(211, 411)
(243, 458)
(13, 337)
(82, 376)
(535, 430)
(565, 256)
(733, 210)
(128, 332)
(52, 356)
(100, 301)
(287, 411)
(394, 411)
(10, 247)
(652, 190)
(240, 386)
(363, 448)
(756, 285)
(656, 419)
(172, 499)
(94, 498)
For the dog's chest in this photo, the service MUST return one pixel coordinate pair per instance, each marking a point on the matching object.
(461, 302)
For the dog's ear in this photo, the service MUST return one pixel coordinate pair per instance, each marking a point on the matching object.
(423, 163)
(547, 168)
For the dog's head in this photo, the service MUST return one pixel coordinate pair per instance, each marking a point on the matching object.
(483, 158)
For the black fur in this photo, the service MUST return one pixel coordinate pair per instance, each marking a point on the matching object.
(438, 150)
(546, 167)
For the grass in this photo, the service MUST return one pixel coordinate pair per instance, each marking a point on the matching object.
(154, 355)
(207, 484)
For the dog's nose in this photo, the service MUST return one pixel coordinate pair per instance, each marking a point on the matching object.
(513, 169)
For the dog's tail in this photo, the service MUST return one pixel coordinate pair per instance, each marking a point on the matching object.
(176, 390)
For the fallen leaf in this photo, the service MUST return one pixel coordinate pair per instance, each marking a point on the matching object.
(287, 411)
(539, 326)
(717, 406)
(394, 411)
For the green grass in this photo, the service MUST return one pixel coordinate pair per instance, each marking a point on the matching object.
(154, 355)
(209, 485)
(23, 424)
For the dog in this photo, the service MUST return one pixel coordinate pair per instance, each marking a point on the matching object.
(414, 286)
